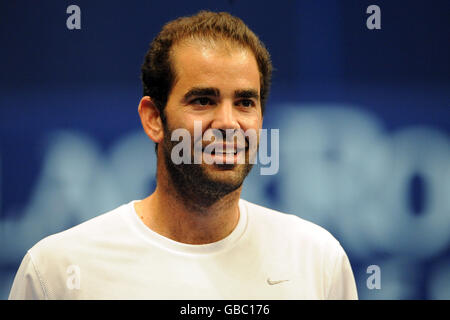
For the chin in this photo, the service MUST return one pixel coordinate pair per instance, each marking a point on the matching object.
(227, 174)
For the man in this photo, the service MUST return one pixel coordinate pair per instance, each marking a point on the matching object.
(194, 238)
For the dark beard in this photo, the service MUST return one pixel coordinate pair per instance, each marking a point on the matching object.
(191, 181)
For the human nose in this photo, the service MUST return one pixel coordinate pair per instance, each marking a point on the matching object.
(225, 117)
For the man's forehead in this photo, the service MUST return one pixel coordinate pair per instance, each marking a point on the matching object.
(211, 43)
(194, 59)
(188, 49)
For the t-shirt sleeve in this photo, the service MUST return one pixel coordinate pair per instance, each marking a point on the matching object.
(27, 283)
(343, 286)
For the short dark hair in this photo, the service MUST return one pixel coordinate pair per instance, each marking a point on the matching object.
(157, 72)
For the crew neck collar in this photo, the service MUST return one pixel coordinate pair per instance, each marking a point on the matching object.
(184, 248)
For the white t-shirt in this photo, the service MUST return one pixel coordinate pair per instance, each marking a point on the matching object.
(269, 255)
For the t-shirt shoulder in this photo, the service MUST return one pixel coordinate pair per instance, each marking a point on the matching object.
(309, 242)
(289, 224)
(101, 228)
(55, 255)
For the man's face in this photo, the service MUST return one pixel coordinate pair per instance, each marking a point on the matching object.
(220, 86)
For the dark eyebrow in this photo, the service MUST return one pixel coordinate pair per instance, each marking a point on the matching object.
(247, 93)
(198, 91)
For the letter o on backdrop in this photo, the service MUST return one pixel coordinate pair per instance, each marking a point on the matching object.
(392, 225)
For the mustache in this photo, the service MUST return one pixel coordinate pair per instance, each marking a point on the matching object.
(223, 139)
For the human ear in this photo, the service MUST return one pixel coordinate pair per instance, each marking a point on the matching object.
(151, 119)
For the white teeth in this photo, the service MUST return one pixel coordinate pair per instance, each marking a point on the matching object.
(224, 152)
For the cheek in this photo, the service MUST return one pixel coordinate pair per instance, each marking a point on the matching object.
(251, 123)
(178, 120)
(197, 120)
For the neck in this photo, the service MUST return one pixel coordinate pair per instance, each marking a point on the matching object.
(177, 218)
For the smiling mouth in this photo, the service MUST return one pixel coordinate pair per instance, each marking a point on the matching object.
(224, 151)
(224, 156)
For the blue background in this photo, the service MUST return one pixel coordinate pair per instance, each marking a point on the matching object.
(364, 120)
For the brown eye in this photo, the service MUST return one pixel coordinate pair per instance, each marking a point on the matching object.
(202, 101)
(246, 103)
